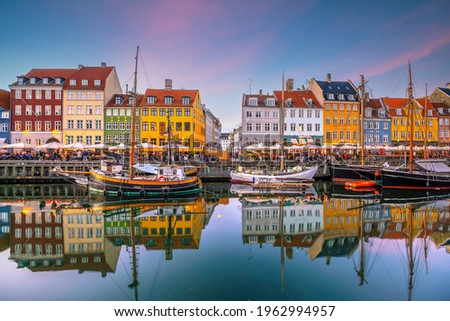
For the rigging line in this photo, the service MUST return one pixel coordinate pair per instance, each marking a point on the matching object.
(126, 82)
(397, 85)
(147, 78)
(119, 286)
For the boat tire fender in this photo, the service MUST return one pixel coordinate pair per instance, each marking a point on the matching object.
(142, 194)
(161, 179)
(119, 194)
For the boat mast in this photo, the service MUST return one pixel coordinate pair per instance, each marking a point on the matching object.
(362, 138)
(426, 124)
(133, 116)
(282, 126)
(169, 137)
(411, 119)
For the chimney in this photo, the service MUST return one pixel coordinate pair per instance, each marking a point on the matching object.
(103, 64)
(328, 77)
(290, 84)
(447, 85)
(168, 84)
(80, 66)
(260, 92)
(366, 97)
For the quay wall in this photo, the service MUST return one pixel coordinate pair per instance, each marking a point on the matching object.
(37, 172)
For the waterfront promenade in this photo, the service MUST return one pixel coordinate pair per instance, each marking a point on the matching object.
(40, 171)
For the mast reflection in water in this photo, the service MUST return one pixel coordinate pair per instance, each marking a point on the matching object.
(321, 246)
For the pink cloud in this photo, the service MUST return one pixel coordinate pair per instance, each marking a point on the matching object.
(428, 47)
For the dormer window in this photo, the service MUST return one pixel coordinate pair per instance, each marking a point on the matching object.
(32, 80)
(151, 100)
(341, 97)
(72, 82)
(398, 111)
(252, 101)
(185, 100)
(368, 112)
(381, 113)
(58, 81)
(97, 82)
(84, 82)
(351, 97)
(430, 113)
(20, 80)
(441, 110)
(289, 102)
(330, 96)
(270, 101)
(45, 80)
(168, 100)
(118, 100)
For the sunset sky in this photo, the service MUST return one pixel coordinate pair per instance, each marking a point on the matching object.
(226, 48)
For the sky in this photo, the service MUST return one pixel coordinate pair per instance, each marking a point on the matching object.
(227, 48)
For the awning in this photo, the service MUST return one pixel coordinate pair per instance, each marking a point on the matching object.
(434, 166)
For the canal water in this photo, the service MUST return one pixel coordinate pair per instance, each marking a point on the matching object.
(325, 244)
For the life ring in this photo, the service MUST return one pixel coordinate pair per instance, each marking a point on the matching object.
(377, 173)
(161, 179)
(142, 194)
(119, 194)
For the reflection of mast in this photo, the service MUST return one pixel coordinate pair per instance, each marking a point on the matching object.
(409, 252)
(134, 284)
(282, 241)
(361, 241)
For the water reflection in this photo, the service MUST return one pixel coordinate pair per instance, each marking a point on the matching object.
(346, 239)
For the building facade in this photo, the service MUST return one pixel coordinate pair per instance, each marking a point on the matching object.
(5, 122)
(183, 107)
(341, 110)
(36, 106)
(84, 96)
(441, 100)
(377, 124)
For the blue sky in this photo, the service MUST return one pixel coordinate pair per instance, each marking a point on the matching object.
(226, 48)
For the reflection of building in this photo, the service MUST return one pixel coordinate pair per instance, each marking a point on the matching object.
(37, 238)
(302, 222)
(85, 245)
(4, 227)
(173, 227)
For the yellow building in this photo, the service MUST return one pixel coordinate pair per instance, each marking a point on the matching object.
(85, 94)
(186, 117)
(425, 122)
(341, 106)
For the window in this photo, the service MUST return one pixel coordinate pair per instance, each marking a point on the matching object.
(88, 124)
(70, 110)
(79, 124)
(58, 125)
(98, 110)
(28, 110)
(28, 125)
(18, 94)
(253, 101)
(185, 100)
(72, 82)
(187, 112)
(38, 94)
(70, 124)
(48, 126)
(275, 127)
(58, 110)
(48, 94)
(168, 100)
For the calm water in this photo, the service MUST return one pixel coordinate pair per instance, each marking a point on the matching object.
(327, 245)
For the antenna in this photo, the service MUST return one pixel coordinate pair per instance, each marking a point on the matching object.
(250, 85)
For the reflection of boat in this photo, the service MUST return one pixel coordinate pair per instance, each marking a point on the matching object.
(246, 189)
(169, 181)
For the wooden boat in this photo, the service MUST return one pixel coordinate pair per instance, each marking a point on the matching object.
(252, 175)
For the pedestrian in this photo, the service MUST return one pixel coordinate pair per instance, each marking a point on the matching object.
(42, 205)
(54, 205)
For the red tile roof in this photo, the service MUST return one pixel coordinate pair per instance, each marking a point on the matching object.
(177, 94)
(90, 74)
(125, 101)
(47, 72)
(298, 98)
(4, 99)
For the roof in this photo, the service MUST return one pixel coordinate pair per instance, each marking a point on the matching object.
(429, 106)
(445, 90)
(124, 101)
(298, 98)
(177, 95)
(337, 88)
(90, 74)
(46, 72)
(4, 99)
(392, 104)
(261, 100)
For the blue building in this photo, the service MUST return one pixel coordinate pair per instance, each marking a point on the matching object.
(377, 124)
(5, 121)
(5, 227)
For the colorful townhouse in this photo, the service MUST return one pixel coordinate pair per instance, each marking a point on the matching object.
(183, 107)
(341, 110)
(260, 120)
(85, 94)
(441, 100)
(377, 124)
(5, 122)
(303, 122)
(118, 116)
(36, 106)
(398, 109)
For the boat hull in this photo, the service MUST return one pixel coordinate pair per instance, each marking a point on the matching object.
(342, 173)
(395, 179)
(142, 187)
(243, 177)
